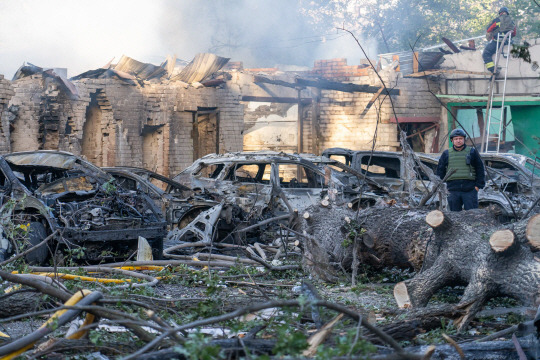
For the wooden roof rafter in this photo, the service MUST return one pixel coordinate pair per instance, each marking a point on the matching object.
(326, 85)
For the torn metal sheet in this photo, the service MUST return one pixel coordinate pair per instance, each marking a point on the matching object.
(169, 64)
(30, 69)
(200, 229)
(201, 68)
(144, 71)
(107, 74)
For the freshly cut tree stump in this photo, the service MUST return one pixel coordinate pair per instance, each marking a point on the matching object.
(437, 220)
(502, 240)
(532, 232)
(402, 295)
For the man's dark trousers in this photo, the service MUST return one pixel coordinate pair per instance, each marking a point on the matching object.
(459, 199)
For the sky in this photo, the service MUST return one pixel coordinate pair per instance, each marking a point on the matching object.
(82, 35)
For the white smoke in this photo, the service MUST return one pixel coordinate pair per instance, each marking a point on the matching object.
(85, 34)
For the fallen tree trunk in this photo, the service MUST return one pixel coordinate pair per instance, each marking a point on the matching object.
(19, 303)
(387, 236)
(459, 248)
(491, 262)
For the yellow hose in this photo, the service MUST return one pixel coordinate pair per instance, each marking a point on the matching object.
(72, 301)
(78, 277)
(96, 279)
(148, 267)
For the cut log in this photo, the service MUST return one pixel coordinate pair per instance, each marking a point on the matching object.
(533, 232)
(306, 215)
(325, 203)
(501, 240)
(437, 220)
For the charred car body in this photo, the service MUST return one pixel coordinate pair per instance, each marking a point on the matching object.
(178, 203)
(516, 175)
(45, 191)
(247, 178)
(254, 186)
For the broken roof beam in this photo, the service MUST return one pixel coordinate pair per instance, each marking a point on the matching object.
(275, 99)
(262, 79)
(345, 87)
(326, 85)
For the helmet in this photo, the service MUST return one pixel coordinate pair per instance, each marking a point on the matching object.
(457, 132)
(504, 9)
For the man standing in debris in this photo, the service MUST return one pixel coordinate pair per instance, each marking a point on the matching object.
(464, 184)
(496, 30)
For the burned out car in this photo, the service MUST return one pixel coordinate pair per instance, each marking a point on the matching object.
(516, 175)
(248, 179)
(177, 202)
(46, 191)
(391, 169)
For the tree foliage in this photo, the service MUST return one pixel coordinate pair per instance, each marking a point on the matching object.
(397, 25)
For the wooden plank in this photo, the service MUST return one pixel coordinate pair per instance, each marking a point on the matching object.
(396, 58)
(262, 79)
(370, 103)
(451, 45)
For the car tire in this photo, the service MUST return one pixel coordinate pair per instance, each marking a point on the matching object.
(36, 234)
(157, 248)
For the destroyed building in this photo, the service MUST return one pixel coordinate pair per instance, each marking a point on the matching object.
(137, 114)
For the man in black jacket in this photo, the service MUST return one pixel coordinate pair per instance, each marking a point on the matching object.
(464, 184)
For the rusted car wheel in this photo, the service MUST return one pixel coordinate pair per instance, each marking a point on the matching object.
(36, 234)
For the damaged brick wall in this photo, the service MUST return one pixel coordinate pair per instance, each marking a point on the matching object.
(334, 115)
(340, 123)
(6, 93)
(337, 69)
(25, 126)
(113, 123)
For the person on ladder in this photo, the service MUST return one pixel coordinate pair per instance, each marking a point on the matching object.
(498, 26)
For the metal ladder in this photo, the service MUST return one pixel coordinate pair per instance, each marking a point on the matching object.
(501, 122)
